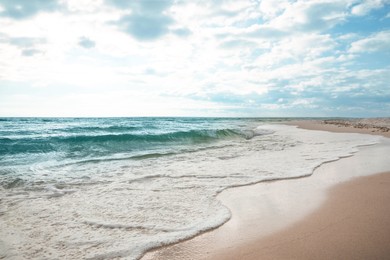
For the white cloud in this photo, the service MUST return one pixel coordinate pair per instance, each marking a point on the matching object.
(310, 15)
(296, 49)
(79, 6)
(308, 103)
(366, 6)
(271, 8)
(378, 42)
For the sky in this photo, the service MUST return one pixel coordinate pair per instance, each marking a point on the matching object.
(239, 58)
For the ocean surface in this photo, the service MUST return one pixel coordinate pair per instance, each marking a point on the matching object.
(115, 187)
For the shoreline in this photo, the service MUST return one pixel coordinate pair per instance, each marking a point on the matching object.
(339, 229)
(259, 211)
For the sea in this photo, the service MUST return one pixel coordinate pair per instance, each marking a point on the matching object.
(100, 188)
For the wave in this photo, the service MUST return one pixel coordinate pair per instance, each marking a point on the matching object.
(115, 142)
(192, 135)
(180, 136)
(24, 145)
(83, 129)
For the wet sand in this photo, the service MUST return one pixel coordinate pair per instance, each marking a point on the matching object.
(353, 223)
(331, 215)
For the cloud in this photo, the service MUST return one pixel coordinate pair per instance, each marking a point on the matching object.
(289, 56)
(270, 9)
(22, 9)
(378, 42)
(148, 19)
(308, 16)
(272, 21)
(86, 42)
(267, 32)
(238, 43)
(366, 7)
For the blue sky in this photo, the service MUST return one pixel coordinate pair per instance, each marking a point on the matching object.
(195, 58)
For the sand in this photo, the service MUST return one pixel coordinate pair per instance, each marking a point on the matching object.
(354, 223)
(373, 126)
(341, 212)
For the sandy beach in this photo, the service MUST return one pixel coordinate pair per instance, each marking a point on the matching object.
(353, 223)
(173, 130)
(269, 191)
(372, 126)
(340, 212)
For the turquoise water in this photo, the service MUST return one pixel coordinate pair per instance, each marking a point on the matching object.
(31, 146)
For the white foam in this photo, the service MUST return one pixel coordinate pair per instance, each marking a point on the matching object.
(162, 200)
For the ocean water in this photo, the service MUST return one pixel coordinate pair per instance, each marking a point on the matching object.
(117, 187)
